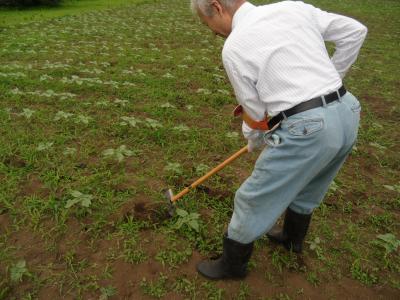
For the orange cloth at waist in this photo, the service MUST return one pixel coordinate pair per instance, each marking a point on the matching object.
(260, 125)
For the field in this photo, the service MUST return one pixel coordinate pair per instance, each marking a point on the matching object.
(101, 111)
(68, 7)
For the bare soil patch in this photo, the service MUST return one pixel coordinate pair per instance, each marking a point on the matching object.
(153, 212)
(382, 108)
(32, 185)
(14, 161)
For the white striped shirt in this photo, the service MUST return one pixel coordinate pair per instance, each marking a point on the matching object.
(276, 58)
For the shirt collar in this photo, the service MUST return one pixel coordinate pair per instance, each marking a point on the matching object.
(241, 13)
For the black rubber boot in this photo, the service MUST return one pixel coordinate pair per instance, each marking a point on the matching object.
(295, 227)
(231, 264)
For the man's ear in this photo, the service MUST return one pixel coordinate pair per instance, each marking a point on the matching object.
(217, 7)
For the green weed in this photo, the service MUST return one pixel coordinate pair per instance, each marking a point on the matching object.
(116, 104)
(155, 289)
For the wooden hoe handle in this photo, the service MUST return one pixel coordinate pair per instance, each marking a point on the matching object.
(209, 174)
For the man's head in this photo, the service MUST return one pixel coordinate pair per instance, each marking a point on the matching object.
(217, 14)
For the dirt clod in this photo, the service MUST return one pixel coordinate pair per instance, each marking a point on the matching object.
(140, 207)
(14, 161)
(217, 194)
(152, 212)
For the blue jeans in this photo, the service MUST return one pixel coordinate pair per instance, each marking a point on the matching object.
(296, 172)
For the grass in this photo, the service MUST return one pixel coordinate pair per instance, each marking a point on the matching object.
(15, 16)
(102, 110)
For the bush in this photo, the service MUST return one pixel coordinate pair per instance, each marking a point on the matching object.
(24, 3)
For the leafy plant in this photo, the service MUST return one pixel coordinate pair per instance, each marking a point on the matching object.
(155, 289)
(201, 169)
(315, 245)
(69, 151)
(5, 289)
(286, 259)
(18, 271)
(184, 285)
(167, 105)
(232, 135)
(174, 169)
(85, 200)
(121, 102)
(62, 115)
(82, 119)
(181, 128)
(173, 257)
(132, 121)
(244, 291)
(132, 253)
(190, 220)
(204, 91)
(394, 188)
(44, 146)
(212, 291)
(153, 123)
(107, 292)
(27, 113)
(118, 154)
(387, 241)
(333, 188)
(364, 276)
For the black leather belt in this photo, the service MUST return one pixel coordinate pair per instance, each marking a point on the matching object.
(309, 104)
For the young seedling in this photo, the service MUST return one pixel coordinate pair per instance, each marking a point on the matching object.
(27, 113)
(387, 241)
(44, 146)
(85, 200)
(18, 271)
(189, 220)
(118, 154)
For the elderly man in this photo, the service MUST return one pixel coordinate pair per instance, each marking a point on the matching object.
(292, 98)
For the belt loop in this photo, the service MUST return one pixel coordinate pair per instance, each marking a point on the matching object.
(323, 101)
(284, 115)
(338, 96)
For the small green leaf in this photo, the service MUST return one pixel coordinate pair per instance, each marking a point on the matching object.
(119, 156)
(389, 187)
(108, 152)
(44, 146)
(86, 202)
(69, 151)
(195, 225)
(18, 270)
(72, 202)
(27, 113)
(76, 194)
(181, 212)
(394, 188)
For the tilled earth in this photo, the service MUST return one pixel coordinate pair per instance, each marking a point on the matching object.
(101, 112)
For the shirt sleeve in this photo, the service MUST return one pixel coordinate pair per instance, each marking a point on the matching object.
(347, 34)
(246, 93)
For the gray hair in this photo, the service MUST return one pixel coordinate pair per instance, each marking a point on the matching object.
(205, 7)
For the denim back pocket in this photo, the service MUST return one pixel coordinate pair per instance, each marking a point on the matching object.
(305, 127)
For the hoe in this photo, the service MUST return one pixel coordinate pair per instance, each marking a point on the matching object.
(173, 198)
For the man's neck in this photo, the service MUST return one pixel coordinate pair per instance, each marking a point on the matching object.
(236, 7)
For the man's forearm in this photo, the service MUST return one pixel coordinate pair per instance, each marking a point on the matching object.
(347, 50)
